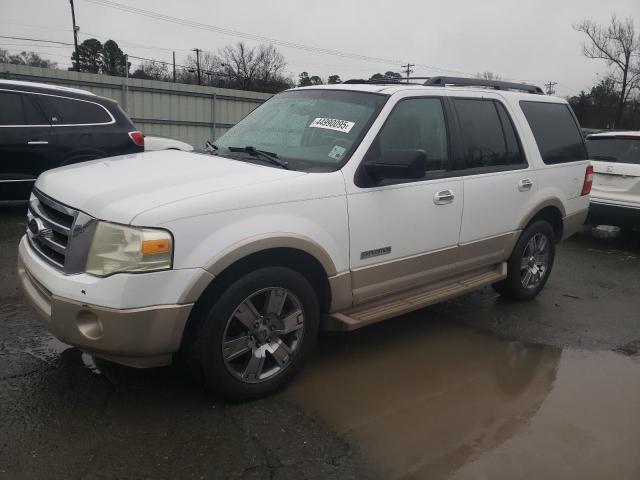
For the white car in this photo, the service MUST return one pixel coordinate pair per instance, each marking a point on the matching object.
(615, 199)
(154, 143)
(327, 207)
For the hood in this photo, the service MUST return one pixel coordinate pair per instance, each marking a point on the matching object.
(118, 188)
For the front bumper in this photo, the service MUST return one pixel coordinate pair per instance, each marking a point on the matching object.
(604, 213)
(145, 336)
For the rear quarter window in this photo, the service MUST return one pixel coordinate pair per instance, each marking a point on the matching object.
(68, 111)
(556, 132)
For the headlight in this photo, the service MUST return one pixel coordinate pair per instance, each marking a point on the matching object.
(118, 248)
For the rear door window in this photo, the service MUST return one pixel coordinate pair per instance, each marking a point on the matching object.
(68, 111)
(608, 149)
(489, 138)
(556, 132)
(12, 111)
(19, 109)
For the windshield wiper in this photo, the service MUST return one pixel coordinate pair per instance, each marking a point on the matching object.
(268, 156)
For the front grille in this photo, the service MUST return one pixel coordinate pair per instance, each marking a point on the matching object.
(49, 227)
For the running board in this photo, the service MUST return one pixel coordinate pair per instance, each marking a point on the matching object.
(414, 299)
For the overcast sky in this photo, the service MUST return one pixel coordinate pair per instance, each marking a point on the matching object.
(523, 40)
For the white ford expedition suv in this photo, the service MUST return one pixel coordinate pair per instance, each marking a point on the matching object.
(328, 207)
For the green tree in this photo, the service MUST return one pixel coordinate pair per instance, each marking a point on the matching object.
(114, 61)
(304, 80)
(389, 75)
(89, 56)
(316, 80)
(334, 79)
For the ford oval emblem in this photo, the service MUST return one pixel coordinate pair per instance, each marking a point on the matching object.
(37, 228)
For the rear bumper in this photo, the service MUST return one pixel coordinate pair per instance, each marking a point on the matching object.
(604, 213)
(137, 337)
(573, 223)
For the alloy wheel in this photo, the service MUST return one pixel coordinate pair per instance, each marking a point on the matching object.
(263, 335)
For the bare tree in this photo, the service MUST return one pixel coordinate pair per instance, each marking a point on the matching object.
(272, 63)
(150, 70)
(240, 63)
(489, 76)
(26, 58)
(618, 45)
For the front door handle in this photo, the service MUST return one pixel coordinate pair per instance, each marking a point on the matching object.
(525, 185)
(443, 197)
(37, 142)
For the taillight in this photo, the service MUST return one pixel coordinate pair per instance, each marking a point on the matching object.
(137, 137)
(588, 181)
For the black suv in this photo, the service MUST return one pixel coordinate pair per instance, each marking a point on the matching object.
(44, 126)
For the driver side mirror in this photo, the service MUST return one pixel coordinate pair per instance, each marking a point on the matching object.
(398, 164)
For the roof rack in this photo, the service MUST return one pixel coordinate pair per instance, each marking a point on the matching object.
(386, 81)
(478, 82)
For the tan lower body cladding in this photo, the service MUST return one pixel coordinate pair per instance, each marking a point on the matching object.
(391, 288)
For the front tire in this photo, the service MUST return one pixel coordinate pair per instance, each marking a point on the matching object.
(259, 332)
(530, 263)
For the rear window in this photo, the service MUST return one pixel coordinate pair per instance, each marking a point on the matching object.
(489, 137)
(616, 149)
(555, 130)
(67, 111)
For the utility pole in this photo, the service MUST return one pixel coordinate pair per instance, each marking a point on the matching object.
(407, 69)
(75, 34)
(197, 50)
(174, 67)
(550, 85)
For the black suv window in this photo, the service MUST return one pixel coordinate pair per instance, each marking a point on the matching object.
(11, 112)
(555, 130)
(67, 111)
(416, 124)
(18, 109)
(489, 139)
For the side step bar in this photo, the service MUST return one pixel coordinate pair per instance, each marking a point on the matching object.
(414, 299)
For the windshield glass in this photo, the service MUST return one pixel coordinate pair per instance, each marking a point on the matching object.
(621, 150)
(312, 130)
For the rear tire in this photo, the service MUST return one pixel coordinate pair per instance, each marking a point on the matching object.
(530, 263)
(258, 333)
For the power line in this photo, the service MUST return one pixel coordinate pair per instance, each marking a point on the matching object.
(255, 37)
(36, 40)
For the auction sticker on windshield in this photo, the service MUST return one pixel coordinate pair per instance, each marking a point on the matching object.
(333, 124)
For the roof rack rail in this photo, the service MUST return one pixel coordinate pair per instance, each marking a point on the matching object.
(478, 82)
(386, 81)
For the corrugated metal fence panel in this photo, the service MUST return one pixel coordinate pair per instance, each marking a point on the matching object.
(184, 112)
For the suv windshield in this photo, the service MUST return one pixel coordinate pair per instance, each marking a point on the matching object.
(311, 130)
(614, 149)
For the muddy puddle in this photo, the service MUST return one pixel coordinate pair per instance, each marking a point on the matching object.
(433, 400)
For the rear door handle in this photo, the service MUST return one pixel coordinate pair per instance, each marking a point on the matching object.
(443, 197)
(525, 185)
(37, 142)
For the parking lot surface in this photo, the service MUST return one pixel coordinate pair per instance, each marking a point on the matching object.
(476, 387)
